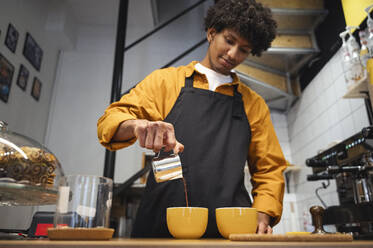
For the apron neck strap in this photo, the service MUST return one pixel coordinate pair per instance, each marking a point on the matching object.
(236, 94)
(238, 109)
(189, 81)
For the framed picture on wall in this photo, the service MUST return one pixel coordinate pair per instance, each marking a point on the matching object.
(23, 75)
(6, 76)
(36, 89)
(32, 52)
(11, 38)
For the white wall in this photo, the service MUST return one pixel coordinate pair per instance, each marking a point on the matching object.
(320, 117)
(289, 217)
(280, 124)
(163, 46)
(24, 114)
(28, 16)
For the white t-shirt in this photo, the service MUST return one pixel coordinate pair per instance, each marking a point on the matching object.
(214, 78)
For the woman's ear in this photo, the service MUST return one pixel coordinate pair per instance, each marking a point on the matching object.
(211, 34)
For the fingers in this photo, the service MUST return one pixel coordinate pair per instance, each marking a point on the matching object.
(169, 138)
(178, 148)
(153, 131)
(263, 228)
(140, 131)
(263, 223)
(157, 135)
(158, 140)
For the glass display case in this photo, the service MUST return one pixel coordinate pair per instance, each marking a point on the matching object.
(29, 172)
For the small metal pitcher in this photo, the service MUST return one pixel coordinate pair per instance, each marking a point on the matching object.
(167, 168)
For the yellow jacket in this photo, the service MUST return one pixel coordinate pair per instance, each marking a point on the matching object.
(153, 98)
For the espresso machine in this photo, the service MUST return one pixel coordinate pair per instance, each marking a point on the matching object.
(350, 163)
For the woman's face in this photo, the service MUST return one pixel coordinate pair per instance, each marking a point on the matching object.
(227, 50)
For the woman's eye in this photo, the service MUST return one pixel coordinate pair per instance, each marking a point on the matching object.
(244, 51)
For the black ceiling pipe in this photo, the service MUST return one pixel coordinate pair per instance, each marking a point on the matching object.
(116, 86)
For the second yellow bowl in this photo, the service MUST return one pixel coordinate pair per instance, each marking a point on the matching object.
(236, 220)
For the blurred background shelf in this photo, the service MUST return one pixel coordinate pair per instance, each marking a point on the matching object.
(359, 89)
(274, 75)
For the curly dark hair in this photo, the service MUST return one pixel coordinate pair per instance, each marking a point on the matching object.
(247, 17)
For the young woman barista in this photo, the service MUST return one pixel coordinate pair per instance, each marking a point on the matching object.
(216, 123)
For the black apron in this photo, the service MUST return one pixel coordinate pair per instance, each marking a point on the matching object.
(215, 132)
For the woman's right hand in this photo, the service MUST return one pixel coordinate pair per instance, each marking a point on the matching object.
(153, 135)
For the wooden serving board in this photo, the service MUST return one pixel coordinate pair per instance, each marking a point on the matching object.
(80, 233)
(292, 237)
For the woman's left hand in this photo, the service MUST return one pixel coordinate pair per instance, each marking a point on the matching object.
(263, 224)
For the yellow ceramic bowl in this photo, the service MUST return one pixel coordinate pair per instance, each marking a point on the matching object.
(236, 220)
(187, 222)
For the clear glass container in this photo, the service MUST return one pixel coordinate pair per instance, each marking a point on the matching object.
(84, 201)
(29, 172)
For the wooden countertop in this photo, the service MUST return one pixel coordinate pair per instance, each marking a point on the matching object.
(177, 243)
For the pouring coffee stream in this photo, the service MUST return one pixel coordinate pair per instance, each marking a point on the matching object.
(185, 192)
(168, 167)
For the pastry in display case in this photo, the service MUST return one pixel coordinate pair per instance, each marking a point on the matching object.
(29, 172)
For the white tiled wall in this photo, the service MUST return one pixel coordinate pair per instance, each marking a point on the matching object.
(289, 218)
(280, 124)
(321, 116)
